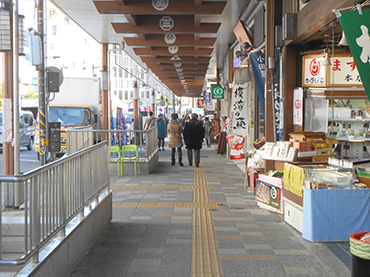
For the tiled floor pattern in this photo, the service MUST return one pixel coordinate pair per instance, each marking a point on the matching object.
(177, 220)
(205, 257)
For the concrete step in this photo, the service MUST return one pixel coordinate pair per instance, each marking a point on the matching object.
(13, 245)
(13, 233)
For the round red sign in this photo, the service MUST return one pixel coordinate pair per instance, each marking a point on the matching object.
(298, 104)
(314, 67)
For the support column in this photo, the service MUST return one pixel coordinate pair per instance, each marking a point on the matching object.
(173, 103)
(270, 52)
(153, 102)
(16, 95)
(104, 90)
(136, 106)
(166, 107)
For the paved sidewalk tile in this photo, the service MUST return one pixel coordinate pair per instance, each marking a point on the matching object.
(187, 221)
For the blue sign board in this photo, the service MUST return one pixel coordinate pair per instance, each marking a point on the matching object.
(207, 97)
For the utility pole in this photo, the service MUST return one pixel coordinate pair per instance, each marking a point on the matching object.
(41, 84)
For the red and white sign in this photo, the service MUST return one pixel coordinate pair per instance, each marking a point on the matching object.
(345, 72)
(341, 73)
(297, 106)
(314, 72)
(200, 103)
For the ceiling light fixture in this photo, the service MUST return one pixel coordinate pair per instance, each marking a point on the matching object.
(326, 61)
(343, 41)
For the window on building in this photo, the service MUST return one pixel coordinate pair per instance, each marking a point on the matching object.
(131, 94)
(121, 94)
(120, 73)
(126, 94)
(147, 94)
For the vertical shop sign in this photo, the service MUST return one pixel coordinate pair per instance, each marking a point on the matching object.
(356, 26)
(239, 110)
(259, 71)
(298, 107)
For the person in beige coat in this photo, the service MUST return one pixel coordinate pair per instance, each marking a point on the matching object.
(175, 130)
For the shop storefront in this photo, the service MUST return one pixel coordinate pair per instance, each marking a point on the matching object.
(321, 163)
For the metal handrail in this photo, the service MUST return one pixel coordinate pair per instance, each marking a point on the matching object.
(55, 194)
(146, 140)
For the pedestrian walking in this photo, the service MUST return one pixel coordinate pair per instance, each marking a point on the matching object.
(149, 122)
(162, 132)
(187, 119)
(175, 130)
(182, 120)
(207, 131)
(193, 136)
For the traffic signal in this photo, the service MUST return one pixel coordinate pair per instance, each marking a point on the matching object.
(34, 44)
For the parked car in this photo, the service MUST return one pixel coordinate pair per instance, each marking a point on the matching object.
(26, 129)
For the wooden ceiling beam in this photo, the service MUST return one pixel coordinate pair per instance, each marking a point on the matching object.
(178, 7)
(159, 71)
(183, 51)
(120, 2)
(181, 40)
(132, 19)
(171, 66)
(191, 83)
(184, 59)
(198, 3)
(150, 26)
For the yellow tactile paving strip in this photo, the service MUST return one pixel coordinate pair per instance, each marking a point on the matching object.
(205, 257)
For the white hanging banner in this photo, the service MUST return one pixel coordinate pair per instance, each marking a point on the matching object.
(239, 110)
(298, 107)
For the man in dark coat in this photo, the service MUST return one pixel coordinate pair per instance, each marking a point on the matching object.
(193, 137)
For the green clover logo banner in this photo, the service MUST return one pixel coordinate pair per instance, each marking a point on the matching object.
(356, 26)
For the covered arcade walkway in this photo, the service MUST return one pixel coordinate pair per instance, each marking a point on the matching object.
(188, 221)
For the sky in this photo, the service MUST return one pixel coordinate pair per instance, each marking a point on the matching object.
(69, 48)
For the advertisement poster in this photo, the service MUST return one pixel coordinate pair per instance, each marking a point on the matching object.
(236, 144)
(268, 194)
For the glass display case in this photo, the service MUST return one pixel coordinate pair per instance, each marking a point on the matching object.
(327, 177)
